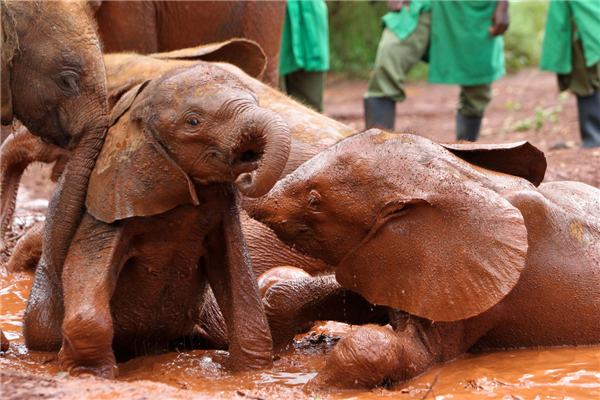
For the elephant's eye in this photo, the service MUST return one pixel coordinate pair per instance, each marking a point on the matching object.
(193, 121)
(314, 199)
(68, 82)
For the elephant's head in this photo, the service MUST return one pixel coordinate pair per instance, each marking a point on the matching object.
(407, 222)
(188, 127)
(54, 81)
(53, 76)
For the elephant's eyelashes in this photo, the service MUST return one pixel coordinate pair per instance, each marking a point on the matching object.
(68, 82)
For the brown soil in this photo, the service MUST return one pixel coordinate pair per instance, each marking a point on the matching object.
(429, 111)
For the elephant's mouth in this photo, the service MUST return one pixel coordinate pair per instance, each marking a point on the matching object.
(51, 131)
(246, 156)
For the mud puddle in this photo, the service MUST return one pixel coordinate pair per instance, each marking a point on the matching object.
(560, 373)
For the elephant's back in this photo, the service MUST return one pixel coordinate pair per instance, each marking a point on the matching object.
(556, 301)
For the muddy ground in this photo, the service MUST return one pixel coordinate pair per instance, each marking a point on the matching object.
(526, 106)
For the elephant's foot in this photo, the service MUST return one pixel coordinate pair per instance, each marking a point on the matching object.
(43, 317)
(28, 250)
(283, 314)
(105, 367)
(87, 344)
(372, 356)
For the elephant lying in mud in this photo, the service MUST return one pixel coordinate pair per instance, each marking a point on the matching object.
(162, 222)
(311, 133)
(454, 244)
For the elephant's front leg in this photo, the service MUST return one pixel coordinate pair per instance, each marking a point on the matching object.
(374, 355)
(18, 151)
(234, 285)
(296, 302)
(89, 279)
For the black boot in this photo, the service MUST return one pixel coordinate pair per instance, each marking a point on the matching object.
(589, 120)
(467, 128)
(380, 112)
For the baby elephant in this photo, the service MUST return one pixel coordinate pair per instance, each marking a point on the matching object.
(162, 223)
(454, 244)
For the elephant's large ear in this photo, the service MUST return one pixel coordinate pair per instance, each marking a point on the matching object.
(243, 53)
(520, 159)
(134, 175)
(447, 256)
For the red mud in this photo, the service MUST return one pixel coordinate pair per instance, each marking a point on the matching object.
(197, 374)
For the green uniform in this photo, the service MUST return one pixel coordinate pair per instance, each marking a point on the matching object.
(304, 53)
(557, 47)
(572, 49)
(460, 51)
(572, 45)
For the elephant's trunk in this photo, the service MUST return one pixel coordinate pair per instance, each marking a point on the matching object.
(259, 209)
(18, 151)
(277, 142)
(68, 200)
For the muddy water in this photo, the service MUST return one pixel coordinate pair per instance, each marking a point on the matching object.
(528, 374)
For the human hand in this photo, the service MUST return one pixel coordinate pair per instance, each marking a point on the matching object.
(396, 6)
(500, 19)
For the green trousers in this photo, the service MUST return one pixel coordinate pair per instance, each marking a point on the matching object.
(305, 87)
(395, 58)
(583, 81)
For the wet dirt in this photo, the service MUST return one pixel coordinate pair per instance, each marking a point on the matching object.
(188, 373)
(547, 373)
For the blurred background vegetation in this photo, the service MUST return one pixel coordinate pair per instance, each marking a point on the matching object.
(355, 30)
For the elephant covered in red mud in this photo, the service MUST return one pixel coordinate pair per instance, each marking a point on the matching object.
(54, 82)
(458, 247)
(162, 223)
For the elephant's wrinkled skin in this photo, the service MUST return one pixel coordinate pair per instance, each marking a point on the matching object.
(146, 27)
(311, 132)
(455, 255)
(135, 276)
(54, 82)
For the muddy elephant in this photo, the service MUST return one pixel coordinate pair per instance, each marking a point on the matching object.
(21, 148)
(146, 27)
(54, 82)
(456, 246)
(136, 274)
(311, 133)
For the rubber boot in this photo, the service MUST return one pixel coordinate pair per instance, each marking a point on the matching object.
(467, 128)
(589, 120)
(380, 112)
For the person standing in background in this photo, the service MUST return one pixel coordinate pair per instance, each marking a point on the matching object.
(572, 49)
(304, 56)
(461, 40)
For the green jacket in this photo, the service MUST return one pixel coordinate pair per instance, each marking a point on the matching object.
(305, 40)
(557, 47)
(461, 51)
